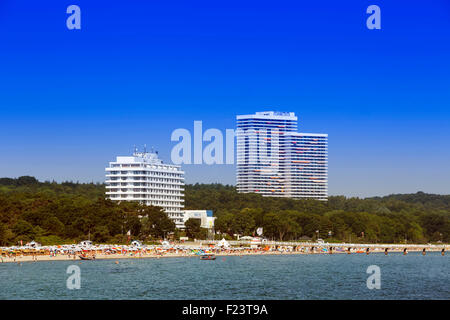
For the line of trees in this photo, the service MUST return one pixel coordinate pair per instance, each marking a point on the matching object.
(418, 218)
(53, 213)
(68, 212)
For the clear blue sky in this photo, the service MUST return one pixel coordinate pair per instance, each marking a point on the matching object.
(73, 100)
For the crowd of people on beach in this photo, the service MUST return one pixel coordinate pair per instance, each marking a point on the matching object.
(88, 251)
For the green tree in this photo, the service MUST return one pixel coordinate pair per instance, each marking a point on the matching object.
(224, 222)
(3, 239)
(53, 226)
(24, 230)
(101, 234)
(271, 224)
(192, 227)
(156, 223)
(243, 223)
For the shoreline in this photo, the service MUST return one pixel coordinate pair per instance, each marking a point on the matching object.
(42, 258)
(64, 257)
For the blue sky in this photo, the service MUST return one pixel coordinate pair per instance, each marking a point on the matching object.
(71, 101)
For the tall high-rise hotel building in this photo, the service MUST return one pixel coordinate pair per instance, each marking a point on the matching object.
(273, 159)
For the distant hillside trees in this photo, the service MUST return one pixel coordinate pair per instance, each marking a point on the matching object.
(416, 217)
(51, 212)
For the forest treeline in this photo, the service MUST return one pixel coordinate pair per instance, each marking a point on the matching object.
(68, 212)
(418, 218)
(56, 213)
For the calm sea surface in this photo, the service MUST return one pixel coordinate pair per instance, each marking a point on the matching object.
(338, 276)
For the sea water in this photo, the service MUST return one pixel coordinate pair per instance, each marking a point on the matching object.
(320, 276)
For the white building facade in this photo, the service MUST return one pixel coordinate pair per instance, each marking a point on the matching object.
(273, 159)
(144, 178)
(205, 216)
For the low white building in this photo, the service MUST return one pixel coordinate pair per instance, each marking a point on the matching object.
(205, 216)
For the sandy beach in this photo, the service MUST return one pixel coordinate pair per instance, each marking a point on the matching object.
(40, 258)
(224, 253)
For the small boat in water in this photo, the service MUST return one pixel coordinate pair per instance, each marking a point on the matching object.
(208, 256)
(86, 257)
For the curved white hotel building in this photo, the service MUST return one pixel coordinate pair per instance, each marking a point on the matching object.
(144, 177)
(273, 159)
